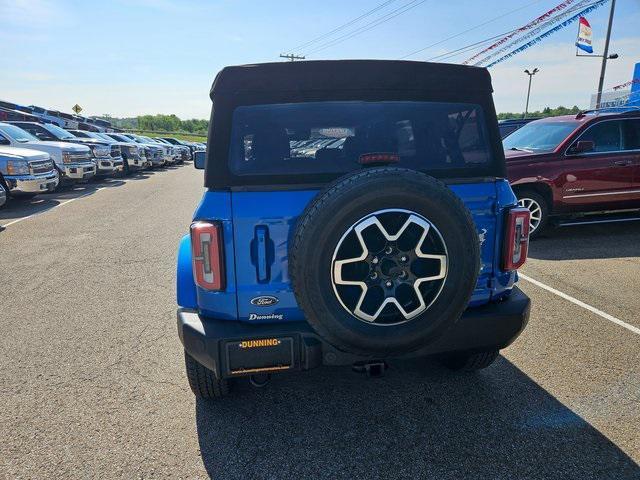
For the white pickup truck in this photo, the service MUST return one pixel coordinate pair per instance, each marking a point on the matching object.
(72, 161)
(26, 171)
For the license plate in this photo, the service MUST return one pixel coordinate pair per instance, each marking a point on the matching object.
(259, 355)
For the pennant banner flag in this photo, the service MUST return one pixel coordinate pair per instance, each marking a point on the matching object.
(635, 81)
(584, 36)
(550, 32)
(533, 33)
(524, 28)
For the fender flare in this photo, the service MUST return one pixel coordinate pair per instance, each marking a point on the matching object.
(186, 291)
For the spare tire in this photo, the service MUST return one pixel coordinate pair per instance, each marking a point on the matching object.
(384, 261)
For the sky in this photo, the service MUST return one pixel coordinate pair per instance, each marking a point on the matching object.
(135, 57)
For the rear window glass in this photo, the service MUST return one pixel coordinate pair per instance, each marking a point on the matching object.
(331, 137)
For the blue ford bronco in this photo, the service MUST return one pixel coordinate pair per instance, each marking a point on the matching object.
(355, 212)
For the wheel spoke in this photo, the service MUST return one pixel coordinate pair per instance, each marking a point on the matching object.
(534, 209)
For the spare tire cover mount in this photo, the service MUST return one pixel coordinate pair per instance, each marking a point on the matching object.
(384, 261)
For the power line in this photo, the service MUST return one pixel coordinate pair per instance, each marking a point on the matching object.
(343, 26)
(368, 26)
(466, 48)
(470, 29)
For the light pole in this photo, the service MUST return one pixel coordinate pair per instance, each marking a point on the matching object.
(605, 55)
(531, 74)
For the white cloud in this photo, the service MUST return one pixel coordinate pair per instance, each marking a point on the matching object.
(34, 76)
(32, 13)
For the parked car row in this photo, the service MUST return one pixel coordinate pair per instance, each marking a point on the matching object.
(10, 111)
(584, 166)
(38, 157)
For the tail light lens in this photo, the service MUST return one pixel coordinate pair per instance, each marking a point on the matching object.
(516, 240)
(207, 255)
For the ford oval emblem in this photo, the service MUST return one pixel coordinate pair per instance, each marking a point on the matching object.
(264, 301)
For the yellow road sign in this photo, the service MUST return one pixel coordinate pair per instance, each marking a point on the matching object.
(76, 108)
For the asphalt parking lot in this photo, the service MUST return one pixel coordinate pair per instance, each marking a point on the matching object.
(93, 384)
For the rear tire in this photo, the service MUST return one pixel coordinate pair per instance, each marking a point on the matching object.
(203, 382)
(539, 208)
(470, 362)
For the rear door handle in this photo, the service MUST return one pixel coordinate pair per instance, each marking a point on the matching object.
(262, 267)
(623, 163)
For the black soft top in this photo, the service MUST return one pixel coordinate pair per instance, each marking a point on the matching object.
(340, 80)
(357, 76)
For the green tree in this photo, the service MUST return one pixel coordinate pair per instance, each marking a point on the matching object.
(546, 112)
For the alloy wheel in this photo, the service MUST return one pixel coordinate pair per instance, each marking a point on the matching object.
(389, 267)
(536, 212)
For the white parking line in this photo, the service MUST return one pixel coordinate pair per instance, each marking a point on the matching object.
(13, 222)
(600, 313)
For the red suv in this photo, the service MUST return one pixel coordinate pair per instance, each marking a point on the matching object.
(575, 165)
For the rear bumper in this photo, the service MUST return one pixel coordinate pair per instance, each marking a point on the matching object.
(232, 348)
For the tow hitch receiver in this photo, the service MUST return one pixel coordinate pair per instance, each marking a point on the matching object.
(373, 369)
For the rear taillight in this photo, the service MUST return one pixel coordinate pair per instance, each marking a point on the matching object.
(516, 240)
(207, 255)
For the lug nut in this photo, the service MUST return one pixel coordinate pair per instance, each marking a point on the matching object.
(403, 274)
(403, 258)
(373, 275)
(375, 260)
(388, 284)
(388, 250)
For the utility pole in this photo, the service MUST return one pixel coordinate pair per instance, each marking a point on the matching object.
(605, 56)
(291, 56)
(531, 74)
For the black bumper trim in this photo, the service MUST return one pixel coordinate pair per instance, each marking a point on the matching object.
(495, 325)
